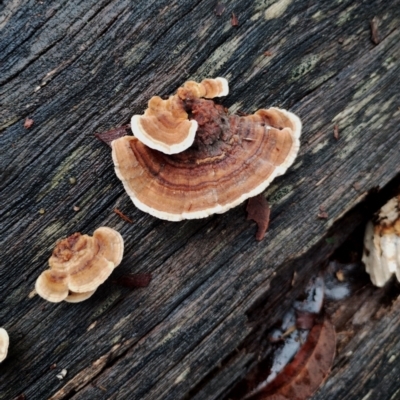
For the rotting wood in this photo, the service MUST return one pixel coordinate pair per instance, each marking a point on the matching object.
(77, 70)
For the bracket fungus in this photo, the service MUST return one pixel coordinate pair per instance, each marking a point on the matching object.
(4, 342)
(382, 244)
(231, 158)
(165, 125)
(79, 264)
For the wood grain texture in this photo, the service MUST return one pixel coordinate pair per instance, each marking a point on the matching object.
(77, 68)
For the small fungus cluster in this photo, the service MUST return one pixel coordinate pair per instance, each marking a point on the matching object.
(382, 244)
(4, 342)
(189, 158)
(79, 265)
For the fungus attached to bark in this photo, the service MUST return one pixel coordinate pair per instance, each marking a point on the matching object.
(231, 159)
(79, 264)
(382, 244)
(4, 342)
(165, 125)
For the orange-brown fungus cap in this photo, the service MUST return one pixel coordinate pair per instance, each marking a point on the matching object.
(165, 125)
(232, 158)
(208, 88)
(79, 264)
(4, 342)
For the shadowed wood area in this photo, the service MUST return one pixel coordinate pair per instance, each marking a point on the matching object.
(77, 68)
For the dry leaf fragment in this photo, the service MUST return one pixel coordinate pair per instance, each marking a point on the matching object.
(234, 20)
(258, 210)
(268, 53)
(28, 123)
(308, 370)
(109, 136)
(122, 215)
(340, 275)
(219, 9)
(135, 280)
(374, 30)
(336, 131)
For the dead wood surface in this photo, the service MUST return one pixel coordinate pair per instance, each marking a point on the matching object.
(77, 68)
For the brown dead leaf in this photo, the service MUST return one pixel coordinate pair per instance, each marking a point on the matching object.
(374, 30)
(258, 210)
(234, 20)
(28, 123)
(308, 370)
(109, 136)
(219, 9)
(336, 131)
(134, 280)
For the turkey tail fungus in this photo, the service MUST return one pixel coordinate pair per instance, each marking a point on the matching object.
(231, 158)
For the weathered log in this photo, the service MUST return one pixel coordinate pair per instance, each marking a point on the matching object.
(77, 68)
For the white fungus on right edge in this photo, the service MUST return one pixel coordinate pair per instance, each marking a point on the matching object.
(382, 244)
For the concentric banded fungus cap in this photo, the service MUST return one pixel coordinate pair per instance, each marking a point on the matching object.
(382, 244)
(207, 88)
(232, 158)
(4, 342)
(79, 264)
(165, 125)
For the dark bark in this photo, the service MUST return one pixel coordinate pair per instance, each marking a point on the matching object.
(77, 68)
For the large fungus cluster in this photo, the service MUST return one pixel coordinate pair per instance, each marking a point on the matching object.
(79, 264)
(189, 158)
(382, 244)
